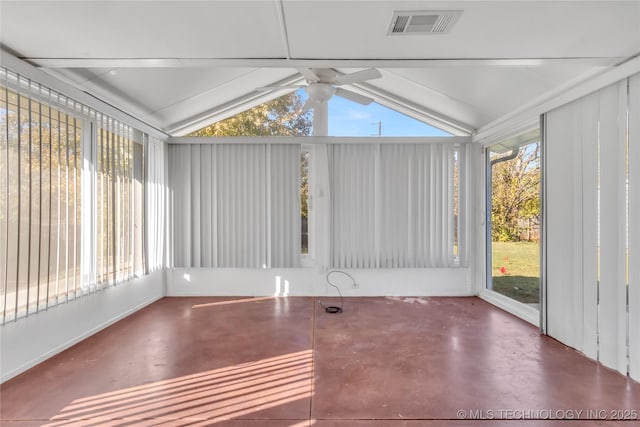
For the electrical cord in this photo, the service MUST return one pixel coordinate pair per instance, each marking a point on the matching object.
(332, 309)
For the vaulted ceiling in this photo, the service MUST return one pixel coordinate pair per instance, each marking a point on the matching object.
(180, 65)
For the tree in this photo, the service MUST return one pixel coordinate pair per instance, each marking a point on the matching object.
(279, 117)
(40, 151)
(515, 195)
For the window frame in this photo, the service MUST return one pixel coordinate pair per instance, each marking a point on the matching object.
(510, 305)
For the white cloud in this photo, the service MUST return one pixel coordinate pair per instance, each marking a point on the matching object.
(358, 115)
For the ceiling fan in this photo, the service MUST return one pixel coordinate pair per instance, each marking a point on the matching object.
(323, 83)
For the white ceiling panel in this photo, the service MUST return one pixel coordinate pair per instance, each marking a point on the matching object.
(208, 99)
(180, 64)
(517, 29)
(166, 96)
(143, 29)
(434, 98)
(476, 95)
(160, 88)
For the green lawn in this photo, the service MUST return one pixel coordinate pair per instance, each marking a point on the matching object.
(516, 270)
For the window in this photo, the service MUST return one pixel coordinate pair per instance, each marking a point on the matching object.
(304, 200)
(347, 118)
(48, 222)
(40, 188)
(119, 202)
(284, 117)
(514, 203)
(279, 117)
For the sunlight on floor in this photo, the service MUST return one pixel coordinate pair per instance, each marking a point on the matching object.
(235, 301)
(207, 397)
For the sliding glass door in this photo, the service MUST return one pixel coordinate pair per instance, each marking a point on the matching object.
(513, 198)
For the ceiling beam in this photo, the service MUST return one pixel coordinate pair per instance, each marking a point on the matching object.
(314, 63)
(283, 28)
(230, 108)
(450, 140)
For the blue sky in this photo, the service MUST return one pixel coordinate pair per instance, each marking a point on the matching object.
(347, 118)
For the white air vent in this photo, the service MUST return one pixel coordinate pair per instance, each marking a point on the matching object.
(423, 22)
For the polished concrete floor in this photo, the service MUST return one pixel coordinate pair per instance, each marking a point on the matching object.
(285, 362)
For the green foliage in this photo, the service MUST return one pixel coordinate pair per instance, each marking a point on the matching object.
(304, 187)
(41, 152)
(515, 198)
(279, 117)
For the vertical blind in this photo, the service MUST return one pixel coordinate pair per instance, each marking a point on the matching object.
(156, 202)
(115, 195)
(397, 205)
(71, 188)
(633, 224)
(40, 187)
(284, 182)
(235, 205)
(592, 190)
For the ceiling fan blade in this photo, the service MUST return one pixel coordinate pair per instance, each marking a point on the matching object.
(309, 74)
(311, 103)
(352, 96)
(266, 88)
(357, 77)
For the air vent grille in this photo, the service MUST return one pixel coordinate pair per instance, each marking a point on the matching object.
(400, 24)
(423, 22)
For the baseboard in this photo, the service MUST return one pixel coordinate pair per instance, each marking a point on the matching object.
(312, 282)
(60, 348)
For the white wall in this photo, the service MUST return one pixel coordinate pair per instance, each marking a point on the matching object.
(31, 340)
(311, 282)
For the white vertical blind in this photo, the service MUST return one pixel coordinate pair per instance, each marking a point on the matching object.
(40, 192)
(194, 170)
(613, 170)
(156, 189)
(208, 206)
(285, 204)
(120, 201)
(235, 205)
(353, 219)
(180, 194)
(564, 282)
(242, 199)
(633, 220)
(393, 205)
(396, 219)
(592, 303)
(463, 174)
(71, 190)
(587, 307)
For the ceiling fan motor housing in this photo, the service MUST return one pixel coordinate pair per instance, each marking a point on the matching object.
(321, 91)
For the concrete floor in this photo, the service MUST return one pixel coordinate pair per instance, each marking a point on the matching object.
(285, 362)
